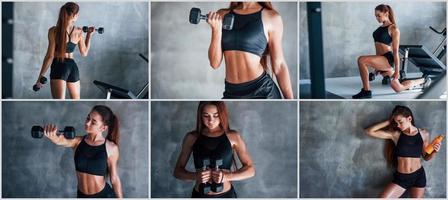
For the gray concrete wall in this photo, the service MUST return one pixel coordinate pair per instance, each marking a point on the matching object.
(269, 130)
(348, 27)
(113, 56)
(180, 66)
(338, 160)
(38, 168)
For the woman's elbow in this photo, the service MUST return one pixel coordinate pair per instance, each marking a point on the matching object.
(84, 53)
(176, 173)
(115, 180)
(214, 64)
(278, 66)
(368, 132)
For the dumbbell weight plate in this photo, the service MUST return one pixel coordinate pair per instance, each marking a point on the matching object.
(37, 132)
(195, 15)
(69, 132)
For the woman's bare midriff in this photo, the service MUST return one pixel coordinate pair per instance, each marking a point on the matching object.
(90, 184)
(69, 55)
(381, 48)
(226, 188)
(242, 66)
(408, 165)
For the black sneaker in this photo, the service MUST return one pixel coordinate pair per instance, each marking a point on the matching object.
(386, 80)
(364, 94)
(427, 82)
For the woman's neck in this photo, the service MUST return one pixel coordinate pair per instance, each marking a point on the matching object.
(213, 132)
(249, 5)
(94, 137)
(410, 130)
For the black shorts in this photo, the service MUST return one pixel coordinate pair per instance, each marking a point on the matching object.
(66, 70)
(414, 179)
(262, 87)
(229, 194)
(107, 192)
(390, 58)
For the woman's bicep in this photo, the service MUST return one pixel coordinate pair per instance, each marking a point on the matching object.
(185, 152)
(51, 43)
(242, 152)
(275, 38)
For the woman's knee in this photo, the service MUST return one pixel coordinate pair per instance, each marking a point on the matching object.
(396, 86)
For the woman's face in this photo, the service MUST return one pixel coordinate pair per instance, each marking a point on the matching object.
(381, 16)
(403, 123)
(210, 117)
(75, 17)
(94, 123)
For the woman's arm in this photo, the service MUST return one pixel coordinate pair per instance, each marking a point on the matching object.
(84, 46)
(51, 130)
(247, 170)
(395, 50)
(426, 138)
(179, 171)
(215, 49)
(377, 132)
(48, 56)
(112, 161)
(278, 62)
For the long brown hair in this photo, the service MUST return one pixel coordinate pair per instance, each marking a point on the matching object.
(389, 148)
(265, 5)
(387, 9)
(67, 10)
(111, 121)
(222, 113)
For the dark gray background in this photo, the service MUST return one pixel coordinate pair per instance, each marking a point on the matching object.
(180, 66)
(113, 56)
(348, 26)
(338, 160)
(269, 130)
(38, 168)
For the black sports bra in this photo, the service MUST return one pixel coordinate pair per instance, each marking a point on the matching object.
(70, 45)
(246, 35)
(381, 35)
(213, 148)
(409, 146)
(91, 159)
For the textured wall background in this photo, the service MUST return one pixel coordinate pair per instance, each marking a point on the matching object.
(180, 66)
(348, 27)
(269, 130)
(338, 160)
(113, 56)
(38, 168)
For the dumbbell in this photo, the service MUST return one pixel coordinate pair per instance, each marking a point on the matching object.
(385, 81)
(68, 132)
(204, 188)
(217, 187)
(42, 80)
(100, 30)
(196, 16)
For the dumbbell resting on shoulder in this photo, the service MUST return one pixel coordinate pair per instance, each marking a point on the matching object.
(68, 132)
(100, 30)
(196, 16)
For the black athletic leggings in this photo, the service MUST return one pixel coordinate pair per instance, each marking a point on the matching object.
(229, 194)
(107, 192)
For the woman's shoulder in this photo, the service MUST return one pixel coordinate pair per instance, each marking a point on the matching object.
(233, 135)
(223, 11)
(191, 137)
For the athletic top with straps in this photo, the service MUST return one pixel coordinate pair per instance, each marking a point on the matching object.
(91, 159)
(213, 148)
(409, 146)
(70, 45)
(381, 35)
(246, 35)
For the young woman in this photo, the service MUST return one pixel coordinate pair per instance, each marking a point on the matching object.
(256, 35)
(409, 143)
(387, 42)
(210, 142)
(95, 156)
(62, 40)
